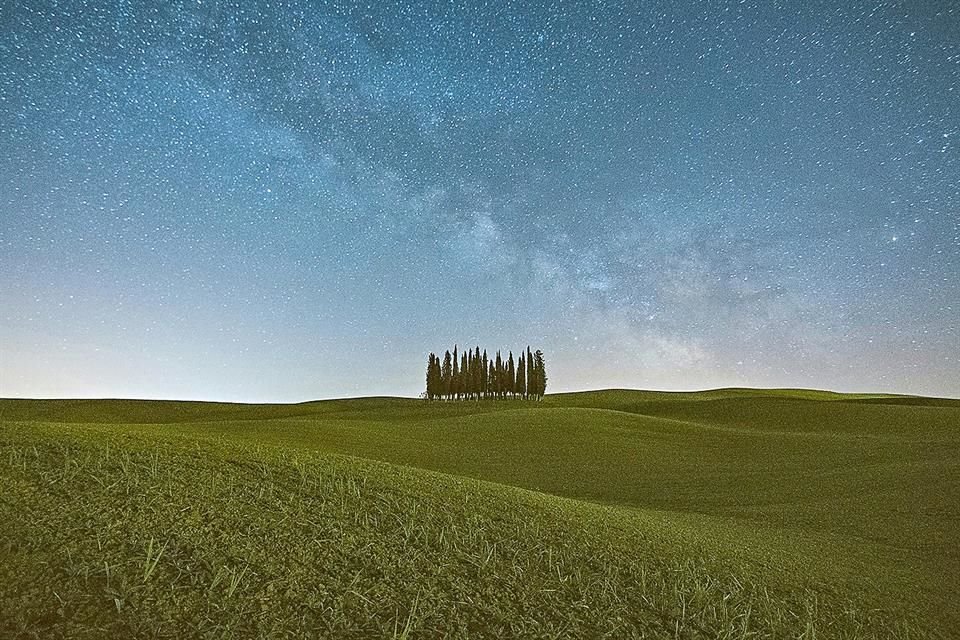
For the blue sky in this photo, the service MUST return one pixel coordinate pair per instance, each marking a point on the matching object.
(292, 200)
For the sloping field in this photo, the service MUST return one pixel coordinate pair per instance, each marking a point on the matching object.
(729, 513)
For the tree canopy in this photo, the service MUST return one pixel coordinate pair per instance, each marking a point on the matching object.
(475, 376)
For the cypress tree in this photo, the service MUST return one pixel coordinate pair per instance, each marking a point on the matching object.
(532, 377)
(462, 389)
(511, 377)
(446, 376)
(471, 374)
(504, 375)
(430, 388)
(484, 375)
(530, 373)
(490, 377)
(521, 385)
(429, 372)
(541, 372)
(455, 380)
(475, 376)
(437, 381)
(498, 376)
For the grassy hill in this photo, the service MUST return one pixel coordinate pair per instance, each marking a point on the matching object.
(728, 513)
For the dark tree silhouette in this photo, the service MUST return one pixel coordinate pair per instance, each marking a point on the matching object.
(455, 380)
(484, 375)
(472, 374)
(520, 388)
(540, 374)
(446, 386)
(491, 380)
(476, 373)
(437, 376)
(530, 378)
(431, 383)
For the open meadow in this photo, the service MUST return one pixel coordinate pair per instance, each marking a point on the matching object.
(733, 513)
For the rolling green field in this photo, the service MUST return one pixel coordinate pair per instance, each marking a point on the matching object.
(732, 513)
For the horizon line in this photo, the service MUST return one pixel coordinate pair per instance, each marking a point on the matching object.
(417, 397)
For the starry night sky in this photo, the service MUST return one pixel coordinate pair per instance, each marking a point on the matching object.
(276, 201)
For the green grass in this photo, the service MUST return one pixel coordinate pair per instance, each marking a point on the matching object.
(734, 513)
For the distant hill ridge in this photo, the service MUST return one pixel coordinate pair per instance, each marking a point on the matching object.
(163, 411)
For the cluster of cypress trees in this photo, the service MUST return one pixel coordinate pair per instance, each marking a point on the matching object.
(474, 376)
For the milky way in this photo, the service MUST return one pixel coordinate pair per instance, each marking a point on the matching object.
(285, 200)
